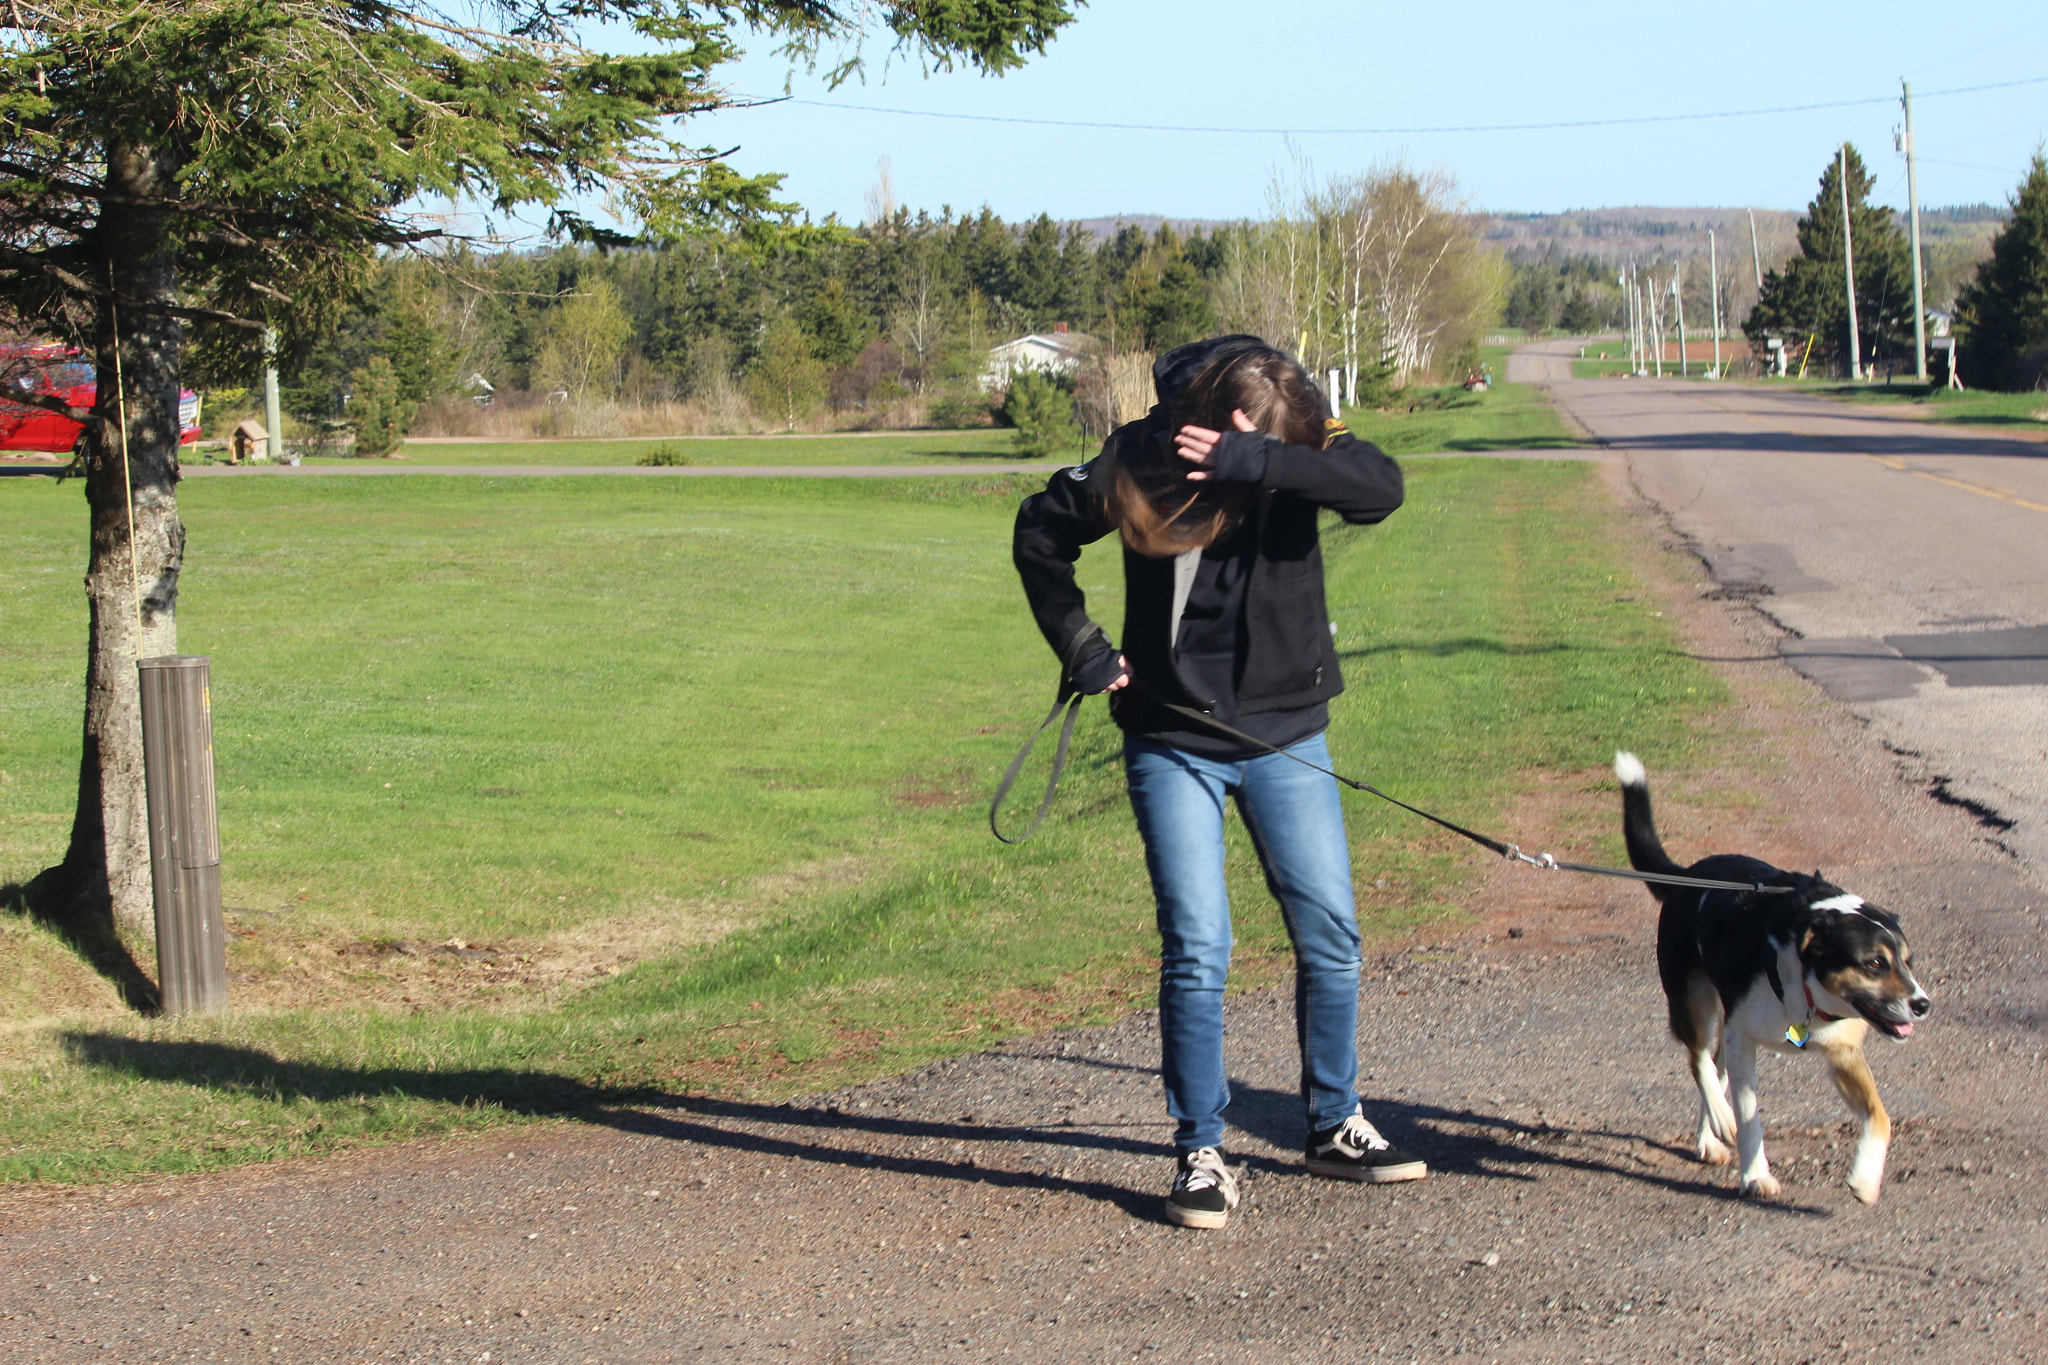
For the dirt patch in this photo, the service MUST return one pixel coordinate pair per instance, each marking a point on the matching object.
(272, 967)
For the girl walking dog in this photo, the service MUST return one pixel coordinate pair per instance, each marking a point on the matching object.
(1215, 495)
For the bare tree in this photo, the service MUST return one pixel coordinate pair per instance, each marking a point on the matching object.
(1384, 266)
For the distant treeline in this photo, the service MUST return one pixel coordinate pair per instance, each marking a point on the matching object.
(906, 308)
(1380, 278)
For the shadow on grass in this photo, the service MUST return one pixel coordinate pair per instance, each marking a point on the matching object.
(1444, 649)
(46, 900)
(1458, 1141)
(1484, 443)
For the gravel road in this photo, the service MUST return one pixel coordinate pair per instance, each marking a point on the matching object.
(1004, 1205)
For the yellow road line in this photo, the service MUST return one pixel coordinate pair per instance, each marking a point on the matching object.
(1987, 490)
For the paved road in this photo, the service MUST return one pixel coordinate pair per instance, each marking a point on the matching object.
(1910, 560)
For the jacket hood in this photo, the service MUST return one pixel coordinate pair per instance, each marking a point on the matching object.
(1174, 371)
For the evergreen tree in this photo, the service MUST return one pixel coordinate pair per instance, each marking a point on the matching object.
(986, 251)
(1579, 315)
(1810, 296)
(1177, 310)
(2005, 312)
(838, 327)
(1036, 284)
(377, 410)
(227, 165)
(1041, 408)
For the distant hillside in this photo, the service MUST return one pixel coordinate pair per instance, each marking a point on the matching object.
(1619, 235)
(1956, 237)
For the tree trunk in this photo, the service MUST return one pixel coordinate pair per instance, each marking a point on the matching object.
(138, 545)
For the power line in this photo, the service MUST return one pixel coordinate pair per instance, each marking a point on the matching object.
(1392, 132)
(1972, 166)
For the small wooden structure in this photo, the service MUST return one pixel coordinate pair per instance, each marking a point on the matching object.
(249, 443)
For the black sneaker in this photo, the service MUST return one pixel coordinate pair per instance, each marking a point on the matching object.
(1354, 1150)
(1204, 1191)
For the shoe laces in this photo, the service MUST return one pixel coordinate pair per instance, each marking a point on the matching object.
(1359, 1135)
(1204, 1170)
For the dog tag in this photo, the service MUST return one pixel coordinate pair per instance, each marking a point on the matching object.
(1797, 1034)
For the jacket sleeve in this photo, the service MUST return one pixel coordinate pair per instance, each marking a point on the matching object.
(1352, 478)
(1052, 528)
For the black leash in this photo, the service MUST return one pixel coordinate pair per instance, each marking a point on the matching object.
(1500, 846)
(1059, 763)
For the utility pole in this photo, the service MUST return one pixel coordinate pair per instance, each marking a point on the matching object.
(1635, 323)
(1849, 266)
(1714, 287)
(1656, 327)
(1913, 200)
(1628, 318)
(1756, 255)
(273, 419)
(1678, 296)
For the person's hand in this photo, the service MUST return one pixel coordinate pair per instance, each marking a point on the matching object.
(1106, 674)
(1197, 444)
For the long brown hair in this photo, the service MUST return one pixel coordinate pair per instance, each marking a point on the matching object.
(1156, 508)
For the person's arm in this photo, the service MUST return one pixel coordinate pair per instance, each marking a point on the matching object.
(1352, 478)
(1052, 528)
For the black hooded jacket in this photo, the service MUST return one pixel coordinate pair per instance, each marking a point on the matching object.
(1288, 660)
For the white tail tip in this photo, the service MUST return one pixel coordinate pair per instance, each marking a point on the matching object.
(1629, 769)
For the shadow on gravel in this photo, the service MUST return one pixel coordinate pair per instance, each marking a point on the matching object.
(827, 1135)
(1483, 1146)
(1455, 1141)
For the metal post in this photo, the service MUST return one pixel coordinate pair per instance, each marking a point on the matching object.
(1849, 267)
(1656, 328)
(1714, 287)
(1678, 296)
(1756, 255)
(184, 837)
(273, 416)
(1913, 200)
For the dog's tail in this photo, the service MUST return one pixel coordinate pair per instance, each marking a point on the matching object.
(1638, 826)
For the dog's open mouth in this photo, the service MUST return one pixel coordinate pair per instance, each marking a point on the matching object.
(1892, 1028)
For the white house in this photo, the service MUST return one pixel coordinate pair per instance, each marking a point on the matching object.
(1056, 352)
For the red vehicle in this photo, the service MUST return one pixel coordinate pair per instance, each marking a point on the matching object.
(57, 370)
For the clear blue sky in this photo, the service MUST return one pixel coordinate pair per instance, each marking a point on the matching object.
(1324, 64)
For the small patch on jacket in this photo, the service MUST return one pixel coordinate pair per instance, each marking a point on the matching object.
(1333, 426)
(1079, 473)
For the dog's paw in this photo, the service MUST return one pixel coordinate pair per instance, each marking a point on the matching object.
(1763, 1187)
(1714, 1152)
(1865, 1189)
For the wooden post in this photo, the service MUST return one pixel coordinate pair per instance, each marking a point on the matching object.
(184, 835)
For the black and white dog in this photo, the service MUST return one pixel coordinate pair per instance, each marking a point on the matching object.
(1813, 968)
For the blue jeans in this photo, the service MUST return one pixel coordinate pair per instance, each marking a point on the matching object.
(1297, 826)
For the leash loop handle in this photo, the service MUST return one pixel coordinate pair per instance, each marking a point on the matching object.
(1052, 783)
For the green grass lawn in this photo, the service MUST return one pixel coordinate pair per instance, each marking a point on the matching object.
(977, 445)
(1427, 420)
(704, 763)
(2020, 413)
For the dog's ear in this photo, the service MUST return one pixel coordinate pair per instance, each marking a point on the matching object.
(1806, 939)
